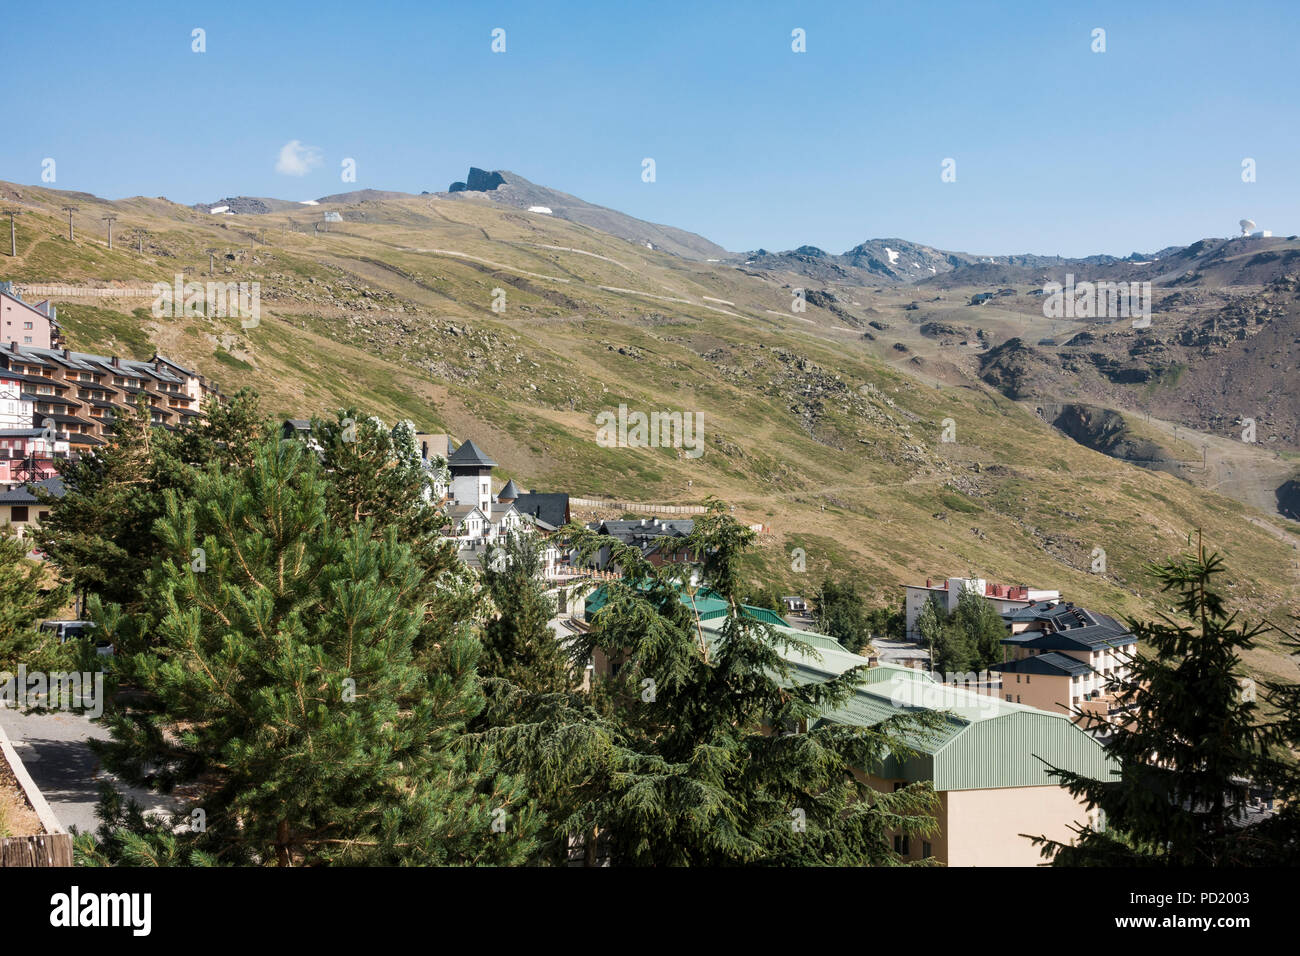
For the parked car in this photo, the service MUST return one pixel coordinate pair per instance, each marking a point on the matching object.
(75, 631)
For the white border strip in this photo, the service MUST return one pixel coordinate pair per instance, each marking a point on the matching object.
(34, 796)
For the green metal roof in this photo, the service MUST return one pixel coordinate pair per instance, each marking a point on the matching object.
(707, 605)
(984, 742)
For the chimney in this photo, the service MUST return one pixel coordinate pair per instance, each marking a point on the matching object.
(117, 363)
(67, 353)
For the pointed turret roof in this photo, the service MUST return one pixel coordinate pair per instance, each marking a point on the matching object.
(509, 492)
(469, 455)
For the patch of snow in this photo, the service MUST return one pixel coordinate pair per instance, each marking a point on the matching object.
(217, 209)
(543, 209)
(308, 202)
(893, 256)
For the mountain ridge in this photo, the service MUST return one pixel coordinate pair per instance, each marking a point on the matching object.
(823, 424)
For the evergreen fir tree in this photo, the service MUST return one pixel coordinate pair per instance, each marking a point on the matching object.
(718, 755)
(967, 639)
(518, 644)
(1279, 835)
(100, 533)
(285, 687)
(951, 651)
(27, 597)
(230, 432)
(376, 475)
(842, 613)
(982, 628)
(1191, 744)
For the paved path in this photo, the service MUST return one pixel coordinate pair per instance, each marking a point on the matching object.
(53, 747)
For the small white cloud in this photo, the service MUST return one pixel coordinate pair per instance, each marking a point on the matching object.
(297, 159)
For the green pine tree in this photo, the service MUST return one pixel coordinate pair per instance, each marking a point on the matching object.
(951, 650)
(1192, 747)
(718, 755)
(842, 613)
(518, 644)
(284, 686)
(1280, 834)
(100, 533)
(377, 476)
(982, 628)
(27, 597)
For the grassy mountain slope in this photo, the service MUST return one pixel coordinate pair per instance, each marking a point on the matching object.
(831, 439)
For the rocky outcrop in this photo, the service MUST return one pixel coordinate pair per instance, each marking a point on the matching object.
(1106, 431)
(239, 205)
(510, 189)
(1012, 368)
(478, 181)
(1288, 499)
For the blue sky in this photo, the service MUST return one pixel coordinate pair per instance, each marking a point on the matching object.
(1058, 150)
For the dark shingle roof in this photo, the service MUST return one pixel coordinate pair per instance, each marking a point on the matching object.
(469, 455)
(1090, 638)
(22, 495)
(551, 508)
(509, 493)
(1050, 663)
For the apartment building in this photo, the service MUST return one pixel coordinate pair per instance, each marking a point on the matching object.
(1003, 597)
(26, 453)
(1066, 659)
(23, 324)
(78, 394)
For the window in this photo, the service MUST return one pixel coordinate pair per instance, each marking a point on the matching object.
(18, 513)
(1017, 698)
(926, 849)
(1026, 678)
(27, 325)
(1008, 698)
(1017, 678)
(900, 845)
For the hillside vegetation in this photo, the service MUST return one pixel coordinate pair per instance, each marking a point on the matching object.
(826, 425)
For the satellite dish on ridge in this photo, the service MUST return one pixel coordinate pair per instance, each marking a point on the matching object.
(1247, 225)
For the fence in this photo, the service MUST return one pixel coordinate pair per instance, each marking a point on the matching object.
(75, 292)
(44, 849)
(638, 506)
